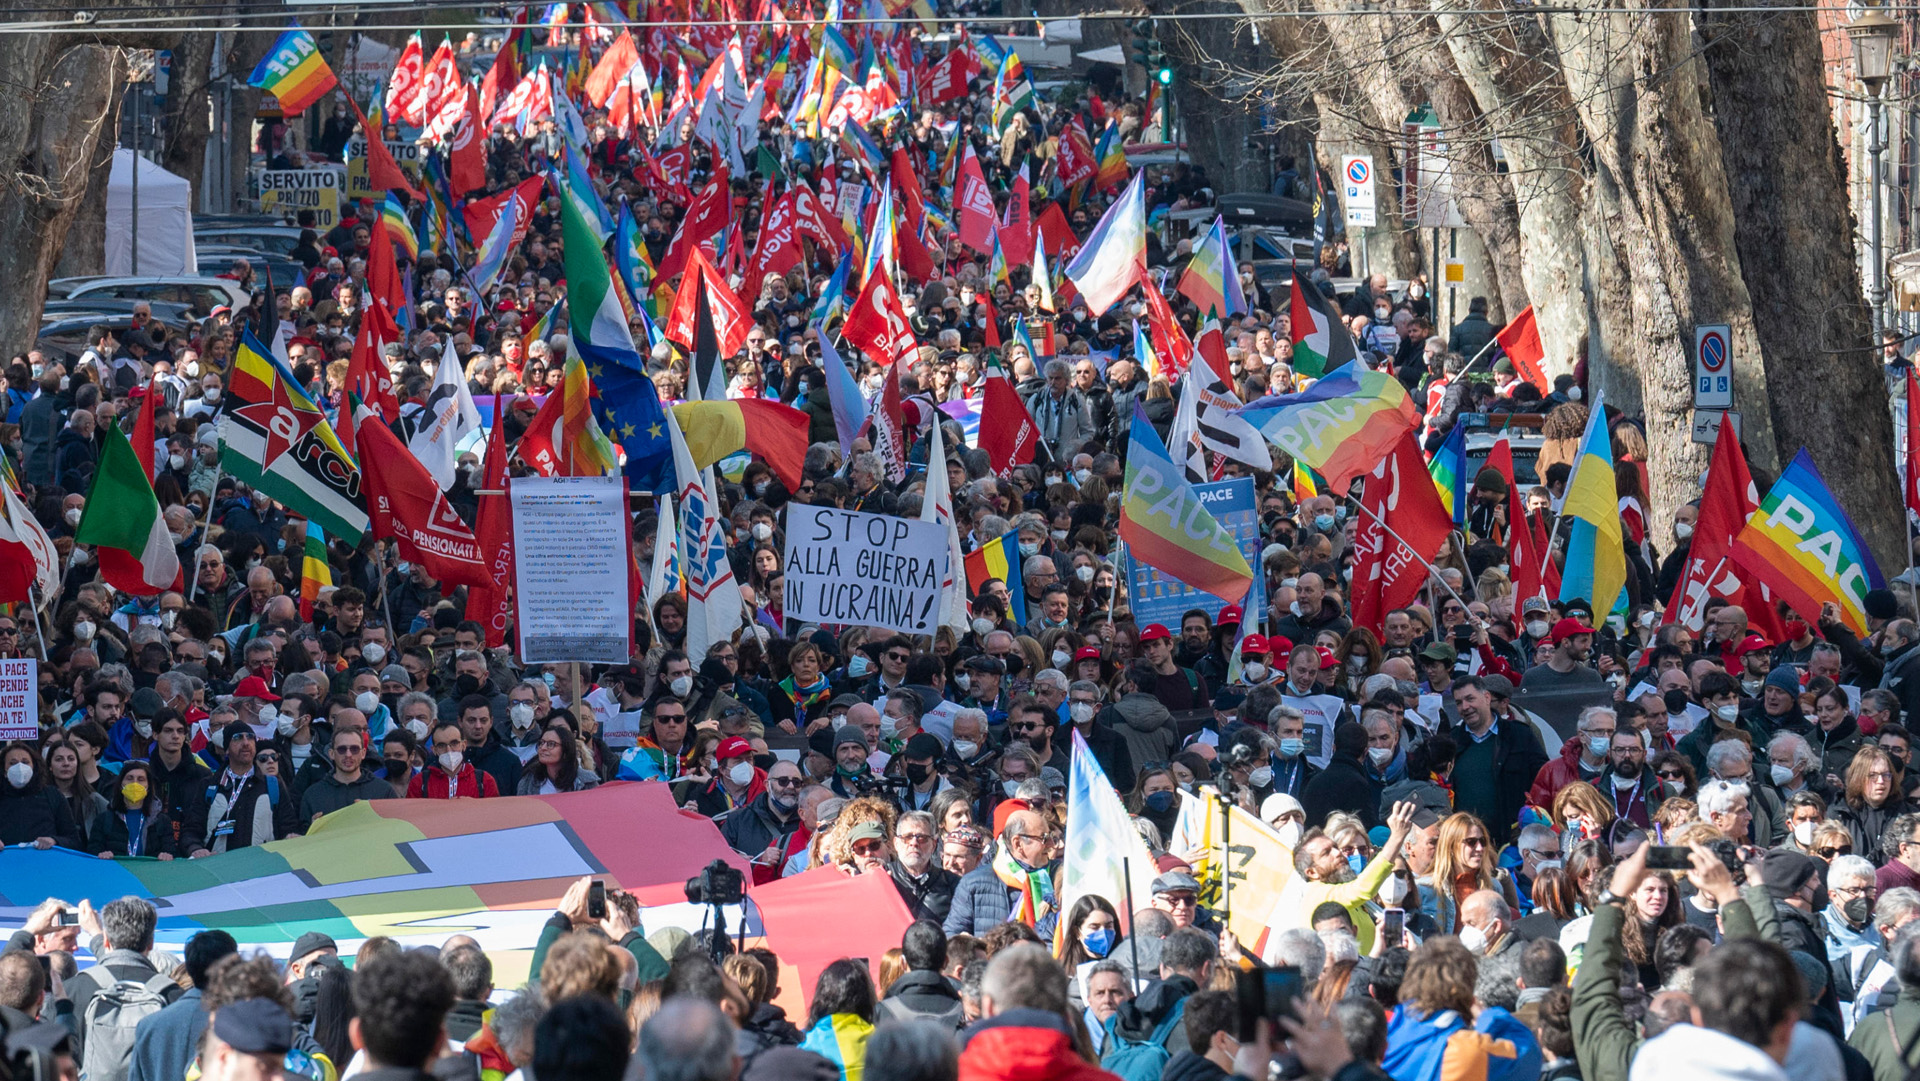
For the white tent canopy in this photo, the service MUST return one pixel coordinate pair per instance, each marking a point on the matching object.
(165, 220)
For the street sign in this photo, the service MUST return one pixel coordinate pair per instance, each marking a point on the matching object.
(1455, 272)
(1706, 424)
(1712, 367)
(1356, 174)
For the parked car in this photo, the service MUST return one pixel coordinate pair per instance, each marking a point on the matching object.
(65, 339)
(201, 295)
(273, 239)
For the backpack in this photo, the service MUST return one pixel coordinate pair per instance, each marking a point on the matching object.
(1140, 1060)
(107, 1027)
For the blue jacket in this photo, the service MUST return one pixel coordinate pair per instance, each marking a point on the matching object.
(165, 1043)
(1434, 1046)
(981, 902)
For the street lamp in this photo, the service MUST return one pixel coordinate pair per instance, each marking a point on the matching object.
(1873, 35)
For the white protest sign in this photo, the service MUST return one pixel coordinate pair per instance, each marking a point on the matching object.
(570, 558)
(19, 699)
(867, 570)
(1322, 712)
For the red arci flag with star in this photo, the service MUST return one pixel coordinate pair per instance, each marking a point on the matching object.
(274, 439)
(877, 322)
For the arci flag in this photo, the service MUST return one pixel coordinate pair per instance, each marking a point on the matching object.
(274, 438)
(1596, 564)
(1341, 426)
(1114, 257)
(447, 419)
(1166, 526)
(294, 72)
(1103, 850)
(1803, 546)
(937, 506)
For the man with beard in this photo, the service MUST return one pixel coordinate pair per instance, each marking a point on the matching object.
(1326, 875)
(1627, 780)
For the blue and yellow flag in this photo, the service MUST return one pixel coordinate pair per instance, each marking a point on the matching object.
(1596, 567)
(1449, 471)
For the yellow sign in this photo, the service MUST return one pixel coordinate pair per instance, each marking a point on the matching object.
(1456, 272)
(289, 191)
(1258, 864)
(405, 153)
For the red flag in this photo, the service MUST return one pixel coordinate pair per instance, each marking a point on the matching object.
(1007, 431)
(992, 329)
(916, 262)
(890, 427)
(1521, 340)
(731, 319)
(383, 173)
(368, 378)
(405, 503)
(1526, 536)
(384, 289)
(778, 249)
(974, 206)
(912, 201)
(1016, 231)
(815, 222)
(1171, 342)
(1076, 156)
(469, 170)
(712, 209)
(142, 437)
(1402, 527)
(403, 86)
(490, 605)
(1057, 235)
(614, 64)
(877, 322)
(543, 446)
(1729, 499)
(1211, 346)
(442, 81)
(949, 77)
(504, 74)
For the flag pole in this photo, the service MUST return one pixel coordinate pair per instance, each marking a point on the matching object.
(1433, 572)
(1133, 938)
(39, 631)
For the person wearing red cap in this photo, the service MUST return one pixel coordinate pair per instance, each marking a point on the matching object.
(1177, 688)
(1566, 666)
(736, 782)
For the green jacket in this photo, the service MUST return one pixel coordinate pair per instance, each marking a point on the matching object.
(1888, 1038)
(1604, 1041)
(646, 959)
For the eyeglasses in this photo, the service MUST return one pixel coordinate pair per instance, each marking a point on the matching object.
(549, 744)
(349, 748)
(1831, 851)
(1179, 900)
(868, 848)
(783, 782)
(670, 718)
(1475, 842)
(1670, 774)
(915, 838)
(897, 656)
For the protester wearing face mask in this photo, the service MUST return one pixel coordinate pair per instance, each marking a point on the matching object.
(736, 782)
(1345, 783)
(1156, 798)
(32, 810)
(1721, 697)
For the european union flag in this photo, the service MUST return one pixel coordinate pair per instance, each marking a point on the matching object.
(628, 409)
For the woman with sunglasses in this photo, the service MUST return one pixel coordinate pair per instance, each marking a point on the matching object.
(1464, 864)
(1675, 773)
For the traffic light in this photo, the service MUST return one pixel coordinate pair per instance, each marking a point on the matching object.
(1144, 45)
(1164, 73)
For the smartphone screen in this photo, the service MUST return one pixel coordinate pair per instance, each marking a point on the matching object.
(1393, 926)
(597, 900)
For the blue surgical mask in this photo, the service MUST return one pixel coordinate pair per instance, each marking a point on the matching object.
(1323, 522)
(1029, 549)
(1099, 942)
(1599, 745)
(1356, 861)
(1291, 748)
(1159, 802)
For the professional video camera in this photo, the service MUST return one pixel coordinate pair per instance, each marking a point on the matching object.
(717, 884)
(879, 784)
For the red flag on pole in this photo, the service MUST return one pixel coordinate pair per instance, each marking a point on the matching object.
(612, 68)
(1729, 499)
(974, 206)
(405, 503)
(469, 166)
(383, 173)
(1402, 527)
(877, 321)
(490, 605)
(142, 437)
(1007, 431)
(1521, 340)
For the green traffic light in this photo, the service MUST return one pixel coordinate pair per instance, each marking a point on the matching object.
(1165, 75)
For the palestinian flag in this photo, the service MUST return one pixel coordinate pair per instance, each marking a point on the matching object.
(122, 521)
(1321, 342)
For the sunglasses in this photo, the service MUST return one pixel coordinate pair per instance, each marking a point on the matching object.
(1670, 774)
(1831, 851)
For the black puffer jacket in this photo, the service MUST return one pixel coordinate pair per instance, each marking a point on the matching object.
(36, 811)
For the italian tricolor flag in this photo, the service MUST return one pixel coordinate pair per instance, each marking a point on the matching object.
(122, 521)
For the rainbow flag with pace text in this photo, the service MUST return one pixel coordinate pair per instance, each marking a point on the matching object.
(294, 72)
(1801, 545)
(1341, 426)
(1167, 527)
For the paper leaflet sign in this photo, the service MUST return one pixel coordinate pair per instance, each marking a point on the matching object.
(570, 555)
(19, 699)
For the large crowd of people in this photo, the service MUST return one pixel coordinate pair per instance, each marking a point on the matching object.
(1624, 894)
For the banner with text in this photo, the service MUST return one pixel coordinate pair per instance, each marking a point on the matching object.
(869, 570)
(19, 699)
(405, 152)
(289, 191)
(1160, 599)
(570, 569)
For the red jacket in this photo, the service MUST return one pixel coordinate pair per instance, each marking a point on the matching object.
(1024, 1045)
(1555, 775)
(432, 783)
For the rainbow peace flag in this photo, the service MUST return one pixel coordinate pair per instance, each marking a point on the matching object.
(999, 558)
(1211, 281)
(1801, 545)
(1341, 426)
(399, 228)
(1596, 565)
(1303, 486)
(315, 572)
(1449, 471)
(1167, 527)
(1112, 171)
(294, 72)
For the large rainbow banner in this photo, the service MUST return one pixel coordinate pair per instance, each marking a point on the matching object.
(1804, 547)
(1341, 426)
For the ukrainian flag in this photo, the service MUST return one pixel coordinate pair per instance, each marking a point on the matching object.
(1596, 567)
(999, 558)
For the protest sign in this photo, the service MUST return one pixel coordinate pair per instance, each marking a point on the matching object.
(288, 191)
(19, 699)
(1158, 598)
(570, 569)
(870, 570)
(1322, 712)
(406, 153)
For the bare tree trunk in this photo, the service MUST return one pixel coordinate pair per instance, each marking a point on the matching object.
(84, 250)
(1815, 333)
(184, 126)
(52, 118)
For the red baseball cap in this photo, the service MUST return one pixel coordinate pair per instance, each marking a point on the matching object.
(732, 747)
(1327, 659)
(1279, 643)
(1087, 653)
(1567, 628)
(1153, 632)
(1750, 643)
(1230, 616)
(255, 687)
(1253, 643)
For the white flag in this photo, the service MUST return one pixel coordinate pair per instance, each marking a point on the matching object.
(448, 418)
(713, 596)
(937, 506)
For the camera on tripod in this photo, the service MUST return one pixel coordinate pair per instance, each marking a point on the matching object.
(717, 884)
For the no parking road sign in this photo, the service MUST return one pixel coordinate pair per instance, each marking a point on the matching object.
(1356, 177)
(1712, 366)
